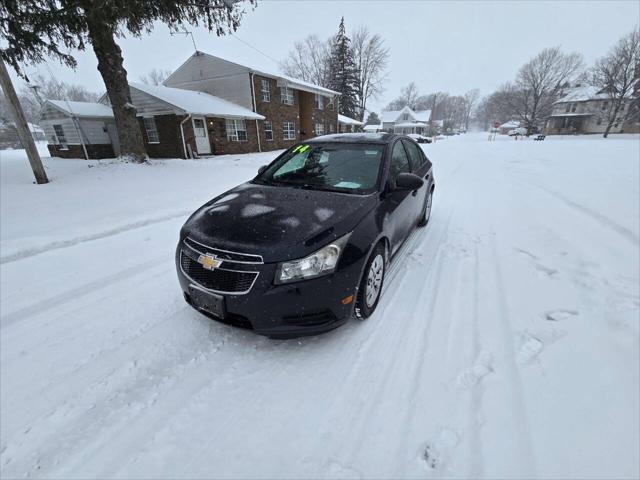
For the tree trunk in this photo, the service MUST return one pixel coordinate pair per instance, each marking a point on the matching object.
(612, 119)
(110, 66)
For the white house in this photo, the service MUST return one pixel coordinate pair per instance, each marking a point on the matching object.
(585, 109)
(406, 121)
(79, 129)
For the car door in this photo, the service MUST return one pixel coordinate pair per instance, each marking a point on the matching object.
(421, 166)
(399, 204)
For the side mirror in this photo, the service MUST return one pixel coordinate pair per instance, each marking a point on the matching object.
(408, 181)
(262, 169)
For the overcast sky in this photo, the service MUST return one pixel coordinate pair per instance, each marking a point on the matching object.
(451, 46)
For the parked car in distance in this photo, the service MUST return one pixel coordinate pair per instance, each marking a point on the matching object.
(517, 132)
(306, 244)
(419, 138)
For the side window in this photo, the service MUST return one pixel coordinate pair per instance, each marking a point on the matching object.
(416, 157)
(399, 162)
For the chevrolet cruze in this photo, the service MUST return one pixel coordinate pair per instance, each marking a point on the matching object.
(305, 245)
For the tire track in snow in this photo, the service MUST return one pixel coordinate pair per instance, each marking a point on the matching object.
(593, 215)
(30, 252)
(73, 294)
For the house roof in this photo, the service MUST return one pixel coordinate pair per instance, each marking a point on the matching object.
(82, 109)
(268, 72)
(575, 114)
(195, 102)
(582, 94)
(392, 116)
(348, 121)
(33, 128)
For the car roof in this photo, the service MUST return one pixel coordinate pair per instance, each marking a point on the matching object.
(375, 138)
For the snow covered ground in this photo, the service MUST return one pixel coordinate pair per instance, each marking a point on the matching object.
(506, 344)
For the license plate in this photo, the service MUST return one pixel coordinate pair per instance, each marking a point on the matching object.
(208, 302)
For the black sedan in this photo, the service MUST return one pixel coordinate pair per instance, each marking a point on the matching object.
(306, 244)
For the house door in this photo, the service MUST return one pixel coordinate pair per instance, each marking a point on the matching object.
(202, 136)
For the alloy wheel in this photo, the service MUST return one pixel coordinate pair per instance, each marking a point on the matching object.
(374, 280)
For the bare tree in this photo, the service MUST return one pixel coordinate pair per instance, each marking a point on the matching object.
(538, 84)
(407, 98)
(371, 57)
(309, 60)
(470, 100)
(615, 75)
(155, 76)
(41, 88)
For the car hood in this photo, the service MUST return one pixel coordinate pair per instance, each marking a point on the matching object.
(278, 223)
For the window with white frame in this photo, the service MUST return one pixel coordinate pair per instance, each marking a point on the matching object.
(152, 131)
(268, 131)
(319, 102)
(286, 95)
(319, 129)
(265, 88)
(236, 130)
(289, 131)
(61, 138)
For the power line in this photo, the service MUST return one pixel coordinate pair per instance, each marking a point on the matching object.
(277, 62)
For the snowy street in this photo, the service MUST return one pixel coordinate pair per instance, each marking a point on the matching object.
(506, 343)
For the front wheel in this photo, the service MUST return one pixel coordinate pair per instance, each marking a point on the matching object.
(371, 283)
(426, 212)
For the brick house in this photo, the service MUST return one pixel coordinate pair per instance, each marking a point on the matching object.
(179, 123)
(585, 110)
(293, 110)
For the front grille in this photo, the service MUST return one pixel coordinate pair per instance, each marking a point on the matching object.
(220, 280)
(223, 254)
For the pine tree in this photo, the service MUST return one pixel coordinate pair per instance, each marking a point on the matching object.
(344, 73)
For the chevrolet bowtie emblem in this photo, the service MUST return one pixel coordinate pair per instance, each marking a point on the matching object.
(209, 261)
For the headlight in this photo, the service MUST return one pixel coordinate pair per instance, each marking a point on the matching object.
(319, 263)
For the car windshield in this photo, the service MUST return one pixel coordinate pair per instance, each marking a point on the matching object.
(348, 168)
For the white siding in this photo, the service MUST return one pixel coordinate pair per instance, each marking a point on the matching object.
(149, 105)
(215, 76)
(93, 129)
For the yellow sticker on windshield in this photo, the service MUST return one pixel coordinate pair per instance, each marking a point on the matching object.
(304, 149)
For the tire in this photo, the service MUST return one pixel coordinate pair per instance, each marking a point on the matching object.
(426, 211)
(371, 283)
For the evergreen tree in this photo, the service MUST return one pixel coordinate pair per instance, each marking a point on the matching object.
(344, 73)
(373, 119)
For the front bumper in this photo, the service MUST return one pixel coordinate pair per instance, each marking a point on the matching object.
(297, 309)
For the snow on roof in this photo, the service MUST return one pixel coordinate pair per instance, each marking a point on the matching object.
(82, 109)
(294, 82)
(372, 128)
(348, 121)
(201, 103)
(582, 94)
(423, 115)
(510, 124)
(391, 116)
(576, 114)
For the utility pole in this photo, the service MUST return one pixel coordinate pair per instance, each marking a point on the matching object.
(21, 125)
